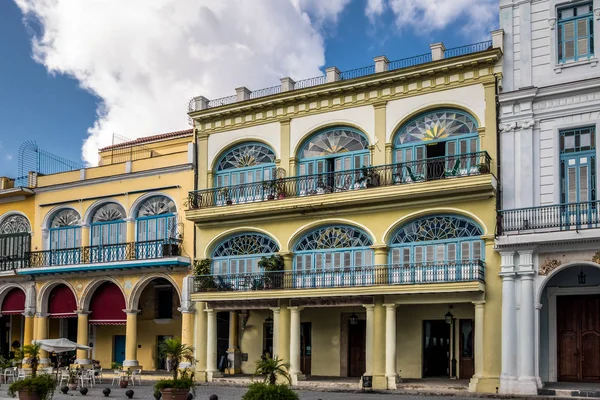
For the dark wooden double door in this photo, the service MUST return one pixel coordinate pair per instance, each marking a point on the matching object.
(578, 337)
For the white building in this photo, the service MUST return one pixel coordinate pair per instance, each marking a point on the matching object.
(549, 223)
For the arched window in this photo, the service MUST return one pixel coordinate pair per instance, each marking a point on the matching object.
(15, 241)
(108, 225)
(437, 240)
(331, 153)
(65, 230)
(329, 247)
(434, 134)
(240, 254)
(246, 163)
(156, 219)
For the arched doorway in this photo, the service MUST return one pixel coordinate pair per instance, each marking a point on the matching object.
(107, 320)
(570, 325)
(62, 323)
(158, 319)
(12, 322)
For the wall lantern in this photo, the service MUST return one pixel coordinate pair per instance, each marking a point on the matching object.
(581, 277)
(269, 320)
(449, 317)
(353, 318)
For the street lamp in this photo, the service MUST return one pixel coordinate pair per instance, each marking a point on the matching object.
(353, 318)
(450, 321)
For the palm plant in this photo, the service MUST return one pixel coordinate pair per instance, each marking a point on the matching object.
(272, 368)
(30, 354)
(175, 351)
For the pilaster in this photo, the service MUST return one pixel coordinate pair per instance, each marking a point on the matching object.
(82, 337)
(131, 339)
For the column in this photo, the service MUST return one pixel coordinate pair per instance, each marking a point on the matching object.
(28, 330)
(85, 235)
(378, 342)
(284, 331)
(390, 345)
(233, 352)
(369, 339)
(202, 140)
(187, 331)
(131, 339)
(275, 331)
(478, 339)
(526, 380)
(200, 341)
(295, 371)
(538, 380)
(130, 238)
(82, 337)
(380, 133)
(284, 140)
(381, 264)
(42, 333)
(509, 323)
(211, 345)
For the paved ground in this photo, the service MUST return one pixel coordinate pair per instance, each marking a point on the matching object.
(145, 392)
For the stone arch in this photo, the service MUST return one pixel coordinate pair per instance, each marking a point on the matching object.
(428, 108)
(9, 214)
(46, 290)
(138, 289)
(387, 235)
(223, 150)
(50, 214)
(89, 213)
(307, 135)
(7, 288)
(230, 232)
(136, 204)
(88, 292)
(544, 283)
(299, 233)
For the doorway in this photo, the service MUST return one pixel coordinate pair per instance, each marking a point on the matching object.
(435, 162)
(436, 348)
(578, 334)
(119, 349)
(5, 336)
(222, 340)
(305, 347)
(357, 334)
(161, 362)
(465, 336)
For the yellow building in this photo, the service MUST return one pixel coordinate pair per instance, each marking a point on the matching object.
(108, 243)
(372, 192)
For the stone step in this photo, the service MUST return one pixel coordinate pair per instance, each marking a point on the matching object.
(569, 393)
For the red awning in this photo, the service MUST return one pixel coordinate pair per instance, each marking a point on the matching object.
(62, 303)
(107, 305)
(14, 302)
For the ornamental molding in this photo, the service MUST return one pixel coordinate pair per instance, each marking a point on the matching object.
(567, 101)
(596, 257)
(551, 23)
(597, 13)
(548, 266)
(517, 125)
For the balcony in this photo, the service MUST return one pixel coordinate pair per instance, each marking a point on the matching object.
(377, 184)
(552, 218)
(372, 276)
(123, 255)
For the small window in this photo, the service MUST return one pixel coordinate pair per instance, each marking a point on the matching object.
(164, 302)
(575, 32)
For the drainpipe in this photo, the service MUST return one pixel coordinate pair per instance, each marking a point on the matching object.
(195, 182)
(498, 157)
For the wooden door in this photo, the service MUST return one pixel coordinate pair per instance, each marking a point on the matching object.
(465, 348)
(357, 348)
(578, 337)
(305, 347)
(436, 348)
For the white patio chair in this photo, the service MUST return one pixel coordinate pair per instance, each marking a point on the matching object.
(116, 378)
(84, 378)
(136, 375)
(63, 377)
(9, 373)
(99, 376)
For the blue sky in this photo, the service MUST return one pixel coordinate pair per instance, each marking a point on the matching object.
(107, 68)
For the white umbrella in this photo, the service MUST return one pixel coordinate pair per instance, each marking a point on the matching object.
(60, 345)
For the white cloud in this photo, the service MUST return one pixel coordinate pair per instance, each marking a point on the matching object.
(430, 15)
(374, 9)
(9, 157)
(145, 58)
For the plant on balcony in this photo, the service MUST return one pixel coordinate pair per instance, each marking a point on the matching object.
(35, 387)
(177, 388)
(483, 168)
(273, 267)
(224, 194)
(202, 270)
(369, 177)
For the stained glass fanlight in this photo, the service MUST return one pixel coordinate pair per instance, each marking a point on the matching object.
(67, 217)
(245, 244)
(156, 205)
(108, 212)
(436, 228)
(334, 237)
(14, 224)
(437, 125)
(246, 155)
(334, 141)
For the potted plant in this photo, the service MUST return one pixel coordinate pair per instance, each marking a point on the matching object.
(35, 387)
(204, 281)
(483, 168)
(280, 187)
(72, 382)
(271, 188)
(177, 388)
(124, 382)
(224, 193)
(273, 267)
(273, 369)
(116, 367)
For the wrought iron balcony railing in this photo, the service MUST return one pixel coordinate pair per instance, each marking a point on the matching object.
(556, 217)
(394, 274)
(13, 248)
(431, 169)
(104, 253)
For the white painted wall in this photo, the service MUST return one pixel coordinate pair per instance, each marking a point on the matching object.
(269, 133)
(530, 44)
(359, 117)
(470, 97)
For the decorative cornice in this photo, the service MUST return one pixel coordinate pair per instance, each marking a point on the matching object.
(596, 257)
(548, 266)
(517, 125)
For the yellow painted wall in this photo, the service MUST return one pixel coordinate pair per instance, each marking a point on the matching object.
(252, 340)
(103, 347)
(25, 205)
(16, 321)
